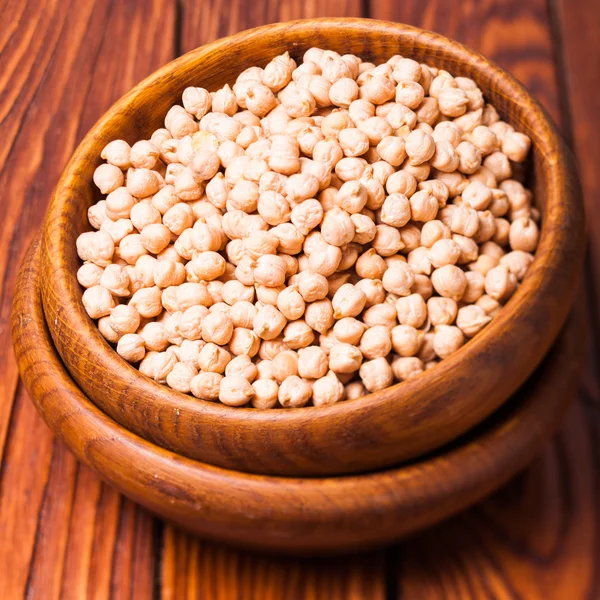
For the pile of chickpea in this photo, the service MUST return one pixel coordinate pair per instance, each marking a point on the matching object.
(311, 234)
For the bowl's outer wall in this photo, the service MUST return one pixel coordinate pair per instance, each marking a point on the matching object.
(381, 429)
(319, 515)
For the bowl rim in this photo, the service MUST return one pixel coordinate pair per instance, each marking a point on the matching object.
(279, 513)
(552, 274)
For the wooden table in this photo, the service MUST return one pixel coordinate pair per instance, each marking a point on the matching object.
(64, 534)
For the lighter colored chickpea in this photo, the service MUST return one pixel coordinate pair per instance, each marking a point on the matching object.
(345, 358)
(483, 264)
(115, 279)
(97, 247)
(269, 322)
(158, 365)
(500, 283)
(406, 368)
(392, 149)
(266, 393)
(406, 340)
(518, 263)
(419, 146)
(313, 363)
(364, 228)
(328, 390)
(206, 266)
(106, 330)
(270, 270)
(401, 182)
(310, 286)
(206, 385)
(370, 265)
(410, 94)
(472, 319)
(154, 336)
(411, 310)
(217, 327)
(501, 234)
(449, 281)
(155, 238)
(387, 240)
(147, 301)
(447, 340)
(124, 319)
(325, 259)
(337, 228)
(192, 293)
(348, 330)
(348, 301)
(343, 92)
(197, 101)
(242, 366)
(235, 390)
(475, 287)
(376, 342)
(489, 305)
(361, 109)
(464, 221)
(131, 347)
(307, 215)
(89, 275)
(398, 279)
(477, 196)
(351, 197)
(376, 374)
(294, 392)
(355, 390)
(444, 252)
(516, 146)
(213, 358)
(284, 365)
(499, 165)
(319, 315)
(181, 376)
(108, 177)
(396, 210)
(373, 289)
(524, 235)
(117, 153)
(142, 183)
(298, 334)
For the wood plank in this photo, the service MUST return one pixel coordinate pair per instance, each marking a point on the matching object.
(203, 22)
(64, 533)
(578, 35)
(195, 569)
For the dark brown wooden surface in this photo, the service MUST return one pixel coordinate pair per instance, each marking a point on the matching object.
(65, 534)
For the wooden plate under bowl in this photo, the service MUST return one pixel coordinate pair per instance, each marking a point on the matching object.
(323, 515)
(396, 424)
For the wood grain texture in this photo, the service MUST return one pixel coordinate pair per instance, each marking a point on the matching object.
(62, 531)
(399, 423)
(559, 516)
(195, 569)
(293, 515)
(578, 34)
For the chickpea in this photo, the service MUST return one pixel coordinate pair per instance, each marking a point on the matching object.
(407, 368)
(376, 374)
(348, 301)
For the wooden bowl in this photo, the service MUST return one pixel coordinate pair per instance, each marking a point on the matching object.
(325, 515)
(381, 429)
